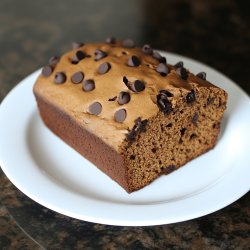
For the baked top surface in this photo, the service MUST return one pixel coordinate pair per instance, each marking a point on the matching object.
(122, 73)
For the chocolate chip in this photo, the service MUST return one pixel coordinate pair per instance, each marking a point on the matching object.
(123, 98)
(162, 69)
(77, 45)
(182, 72)
(157, 56)
(165, 93)
(112, 99)
(104, 68)
(163, 60)
(131, 136)
(47, 71)
(111, 40)
(146, 49)
(134, 61)
(140, 126)
(88, 85)
(195, 119)
(164, 105)
(137, 86)
(125, 80)
(74, 61)
(190, 98)
(180, 64)
(168, 169)
(54, 60)
(77, 77)
(79, 55)
(95, 108)
(202, 75)
(128, 43)
(99, 54)
(60, 77)
(120, 115)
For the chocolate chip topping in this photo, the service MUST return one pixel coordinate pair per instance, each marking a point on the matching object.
(77, 77)
(162, 69)
(163, 60)
(182, 72)
(99, 54)
(77, 45)
(111, 40)
(137, 86)
(88, 85)
(133, 61)
(165, 93)
(165, 106)
(157, 56)
(79, 55)
(123, 98)
(60, 77)
(140, 126)
(47, 71)
(112, 99)
(125, 80)
(74, 60)
(163, 103)
(128, 43)
(54, 60)
(95, 108)
(180, 64)
(190, 98)
(104, 68)
(202, 75)
(120, 115)
(146, 49)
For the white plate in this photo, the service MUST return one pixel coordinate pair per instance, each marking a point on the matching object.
(54, 175)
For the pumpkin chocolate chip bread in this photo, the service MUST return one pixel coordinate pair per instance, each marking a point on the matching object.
(128, 111)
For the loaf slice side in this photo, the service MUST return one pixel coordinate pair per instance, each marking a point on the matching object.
(169, 141)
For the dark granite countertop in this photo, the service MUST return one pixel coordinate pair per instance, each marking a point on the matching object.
(214, 32)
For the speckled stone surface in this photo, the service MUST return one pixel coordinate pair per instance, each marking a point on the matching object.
(214, 32)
